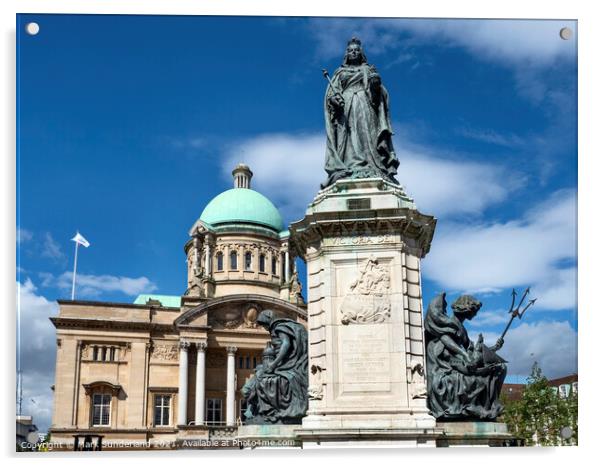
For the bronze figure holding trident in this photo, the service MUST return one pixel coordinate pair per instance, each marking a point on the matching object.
(464, 378)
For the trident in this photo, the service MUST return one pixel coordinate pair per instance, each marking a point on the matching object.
(516, 312)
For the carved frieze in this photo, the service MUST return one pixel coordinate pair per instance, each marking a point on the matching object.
(368, 299)
(165, 352)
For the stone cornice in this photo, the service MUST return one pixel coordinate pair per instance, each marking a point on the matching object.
(409, 222)
(244, 281)
(104, 324)
(163, 389)
(78, 322)
(68, 302)
(113, 388)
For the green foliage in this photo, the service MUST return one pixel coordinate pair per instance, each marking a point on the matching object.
(540, 415)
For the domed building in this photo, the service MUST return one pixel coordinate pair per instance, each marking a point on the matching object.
(166, 371)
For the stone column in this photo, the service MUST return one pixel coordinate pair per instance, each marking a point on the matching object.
(287, 267)
(231, 387)
(208, 271)
(199, 407)
(183, 383)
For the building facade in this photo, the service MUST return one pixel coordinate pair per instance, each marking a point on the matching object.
(166, 371)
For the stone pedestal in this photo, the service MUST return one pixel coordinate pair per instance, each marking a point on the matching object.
(464, 434)
(362, 241)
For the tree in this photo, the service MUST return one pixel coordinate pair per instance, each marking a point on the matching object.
(541, 414)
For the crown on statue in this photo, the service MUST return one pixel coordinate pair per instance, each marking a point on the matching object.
(354, 40)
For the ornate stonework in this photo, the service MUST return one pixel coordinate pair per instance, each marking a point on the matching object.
(165, 352)
(229, 318)
(250, 316)
(316, 391)
(417, 382)
(236, 317)
(368, 301)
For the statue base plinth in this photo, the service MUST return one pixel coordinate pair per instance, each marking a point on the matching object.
(474, 433)
(365, 437)
(362, 241)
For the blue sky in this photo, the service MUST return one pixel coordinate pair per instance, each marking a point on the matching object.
(129, 125)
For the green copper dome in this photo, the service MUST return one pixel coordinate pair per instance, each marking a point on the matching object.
(242, 205)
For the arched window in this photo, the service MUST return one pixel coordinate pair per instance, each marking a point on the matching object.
(220, 261)
(262, 263)
(274, 268)
(248, 261)
(233, 260)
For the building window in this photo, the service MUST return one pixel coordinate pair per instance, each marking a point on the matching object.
(112, 356)
(162, 409)
(233, 260)
(95, 353)
(262, 263)
(248, 363)
(274, 266)
(214, 411)
(220, 261)
(101, 409)
(254, 362)
(563, 390)
(248, 261)
(240, 362)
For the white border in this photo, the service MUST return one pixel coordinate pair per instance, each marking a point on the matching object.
(589, 194)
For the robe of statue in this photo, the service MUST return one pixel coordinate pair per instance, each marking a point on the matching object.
(359, 136)
(456, 390)
(280, 397)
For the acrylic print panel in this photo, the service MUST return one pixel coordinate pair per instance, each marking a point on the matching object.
(147, 254)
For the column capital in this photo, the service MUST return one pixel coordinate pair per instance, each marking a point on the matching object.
(184, 345)
(231, 349)
(201, 346)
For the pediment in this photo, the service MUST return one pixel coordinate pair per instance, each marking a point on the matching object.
(237, 311)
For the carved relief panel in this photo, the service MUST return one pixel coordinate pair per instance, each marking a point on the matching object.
(238, 316)
(368, 298)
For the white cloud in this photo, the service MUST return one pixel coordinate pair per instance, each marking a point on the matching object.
(526, 47)
(95, 285)
(37, 349)
(489, 319)
(23, 235)
(515, 253)
(38, 397)
(288, 169)
(447, 187)
(553, 344)
(517, 43)
(36, 330)
(51, 249)
(491, 136)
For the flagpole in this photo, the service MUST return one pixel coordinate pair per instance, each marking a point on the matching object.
(74, 272)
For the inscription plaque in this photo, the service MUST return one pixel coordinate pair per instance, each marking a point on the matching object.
(365, 358)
